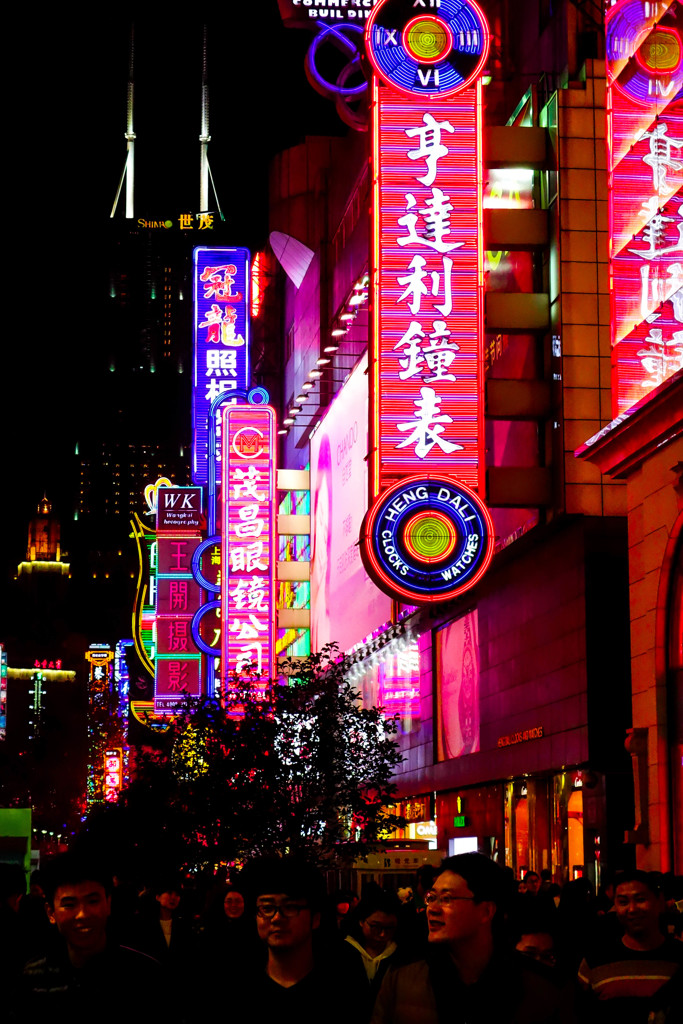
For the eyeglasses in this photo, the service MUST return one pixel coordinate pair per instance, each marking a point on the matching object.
(380, 929)
(443, 899)
(269, 910)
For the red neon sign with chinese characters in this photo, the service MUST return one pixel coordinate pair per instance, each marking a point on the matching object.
(428, 287)
(113, 775)
(645, 163)
(249, 542)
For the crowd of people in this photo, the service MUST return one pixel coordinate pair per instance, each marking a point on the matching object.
(462, 945)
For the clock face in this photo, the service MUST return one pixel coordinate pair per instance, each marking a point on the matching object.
(427, 538)
(428, 54)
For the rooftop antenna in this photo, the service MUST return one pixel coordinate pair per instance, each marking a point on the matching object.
(205, 175)
(129, 166)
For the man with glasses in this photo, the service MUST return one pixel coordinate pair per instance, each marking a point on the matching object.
(296, 986)
(468, 975)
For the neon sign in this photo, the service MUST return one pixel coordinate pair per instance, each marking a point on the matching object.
(427, 538)
(427, 268)
(177, 664)
(221, 339)
(645, 152)
(249, 544)
(113, 775)
(428, 55)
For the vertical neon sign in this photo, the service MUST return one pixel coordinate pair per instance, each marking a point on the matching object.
(177, 665)
(221, 340)
(426, 418)
(249, 541)
(645, 162)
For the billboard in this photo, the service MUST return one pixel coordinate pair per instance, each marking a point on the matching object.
(221, 340)
(457, 673)
(345, 603)
(645, 165)
(249, 548)
(427, 262)
(177, 664)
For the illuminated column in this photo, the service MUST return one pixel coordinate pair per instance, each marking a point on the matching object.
(645, 164)
(249, 542)
(427, 535)
(221, 341)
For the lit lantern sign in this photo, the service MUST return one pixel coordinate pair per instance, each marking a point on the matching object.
(113, 775)
(249, 541)
(221, 340)
(645, 153)
(427, 255)
(177, 665)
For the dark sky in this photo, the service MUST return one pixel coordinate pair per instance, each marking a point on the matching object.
(65, 150)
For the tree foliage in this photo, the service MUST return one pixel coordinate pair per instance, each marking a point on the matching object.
(298, 766)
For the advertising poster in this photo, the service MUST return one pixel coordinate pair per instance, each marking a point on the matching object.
(346, 606)
(457, 666)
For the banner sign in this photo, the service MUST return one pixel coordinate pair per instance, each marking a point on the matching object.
(249, 547)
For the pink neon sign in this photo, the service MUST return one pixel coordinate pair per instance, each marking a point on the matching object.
(428, 283)
(645, 154)
(177, 662)
(249, 548)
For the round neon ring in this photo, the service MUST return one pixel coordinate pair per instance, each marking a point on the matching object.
(428, 39)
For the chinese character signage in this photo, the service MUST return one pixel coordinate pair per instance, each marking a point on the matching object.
(177, 663)
(645, 155)
(113, 774)
(426, 409)
(221, 339)
(180, 509)
(249, 549)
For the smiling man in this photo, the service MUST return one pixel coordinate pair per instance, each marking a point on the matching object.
(468, 977)
(84, 976)
(621, 978)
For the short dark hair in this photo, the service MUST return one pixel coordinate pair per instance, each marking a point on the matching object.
(651, 879)
(291, 875)
(70, 869)
(485, 879)
(377, 899)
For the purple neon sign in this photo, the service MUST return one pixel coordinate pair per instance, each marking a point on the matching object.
(221, 340)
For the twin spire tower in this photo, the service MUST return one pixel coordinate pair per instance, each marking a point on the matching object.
(128, 174)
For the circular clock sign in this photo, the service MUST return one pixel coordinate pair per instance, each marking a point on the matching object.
(428, 538)
(434, 53)
(654, 75)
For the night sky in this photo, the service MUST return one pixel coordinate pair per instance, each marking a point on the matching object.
(65, 132)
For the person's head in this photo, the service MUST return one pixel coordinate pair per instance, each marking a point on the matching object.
(12, 885)
(534, 938)
(532, 881)
(287, 894)
(78, 895)
(168, 892)
(233, 904)
(377, 916)
(424, 878)
(639, 903)
(465, 898)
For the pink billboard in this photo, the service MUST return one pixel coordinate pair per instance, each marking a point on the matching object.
(457, 667)
(346, 606)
